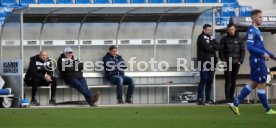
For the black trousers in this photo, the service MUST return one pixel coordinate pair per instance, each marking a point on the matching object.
(206, 83)
(230, 81)
(35, 82)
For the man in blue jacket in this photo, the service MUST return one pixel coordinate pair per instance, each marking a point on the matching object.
(258, 70)
(114, 66)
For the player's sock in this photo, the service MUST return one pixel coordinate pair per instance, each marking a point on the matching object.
(263, 99)
(244, 92)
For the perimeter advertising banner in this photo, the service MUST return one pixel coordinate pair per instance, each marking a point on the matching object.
(11, 72)
(268, 21)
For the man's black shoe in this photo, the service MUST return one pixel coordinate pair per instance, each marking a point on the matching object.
(94, 99)
(121, 101)
(34, 102)
(53, 102)
(129, 101)
(200, 102)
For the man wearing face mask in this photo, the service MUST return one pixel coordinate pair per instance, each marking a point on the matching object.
(114, 66)
(40, 73)
(231, 48)
(70, 70)
(206, 52)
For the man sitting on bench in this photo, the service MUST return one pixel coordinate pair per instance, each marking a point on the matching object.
(70, 71)
(40, 73)
(114, 65)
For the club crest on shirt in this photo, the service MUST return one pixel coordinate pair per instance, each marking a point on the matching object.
(250, 36)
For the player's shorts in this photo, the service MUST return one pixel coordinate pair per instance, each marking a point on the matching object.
(258, 70)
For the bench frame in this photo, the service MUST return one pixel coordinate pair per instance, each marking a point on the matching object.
(136, 74)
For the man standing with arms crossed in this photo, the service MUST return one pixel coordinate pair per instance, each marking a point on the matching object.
(231, 47)
(206, 52)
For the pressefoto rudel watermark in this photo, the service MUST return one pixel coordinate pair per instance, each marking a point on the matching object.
(182, 64)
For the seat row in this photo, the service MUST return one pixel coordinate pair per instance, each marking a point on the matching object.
(26, 2)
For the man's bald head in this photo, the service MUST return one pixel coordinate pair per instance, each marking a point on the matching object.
(43, 55)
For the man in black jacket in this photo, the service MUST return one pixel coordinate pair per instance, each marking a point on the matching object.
(206, 54)
(114, 73)
(232, 47)
(70, 70)
(40, 73)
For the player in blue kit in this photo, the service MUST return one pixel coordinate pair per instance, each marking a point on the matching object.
(258, 69)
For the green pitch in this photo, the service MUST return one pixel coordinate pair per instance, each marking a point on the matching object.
(252, 116)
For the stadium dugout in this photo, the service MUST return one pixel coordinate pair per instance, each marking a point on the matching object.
(141, 30)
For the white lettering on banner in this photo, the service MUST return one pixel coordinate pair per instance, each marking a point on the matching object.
(265, 19)
(10, 67)
(272, 18)
(248, 19)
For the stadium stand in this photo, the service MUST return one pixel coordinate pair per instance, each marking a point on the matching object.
(83, 2)
(227, 11)
(245, 10)
(64, 2)
(101, 2)
(26, 2)
(175, 1)
(8, 3)
(120, 1)
(138, 1)
(4, 11)
(193, 1)
(233, 3)
(229, 1)
(46, 2)
(211, 1)
(156, 1)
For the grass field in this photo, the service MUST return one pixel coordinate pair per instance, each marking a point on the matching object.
(253, 116)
